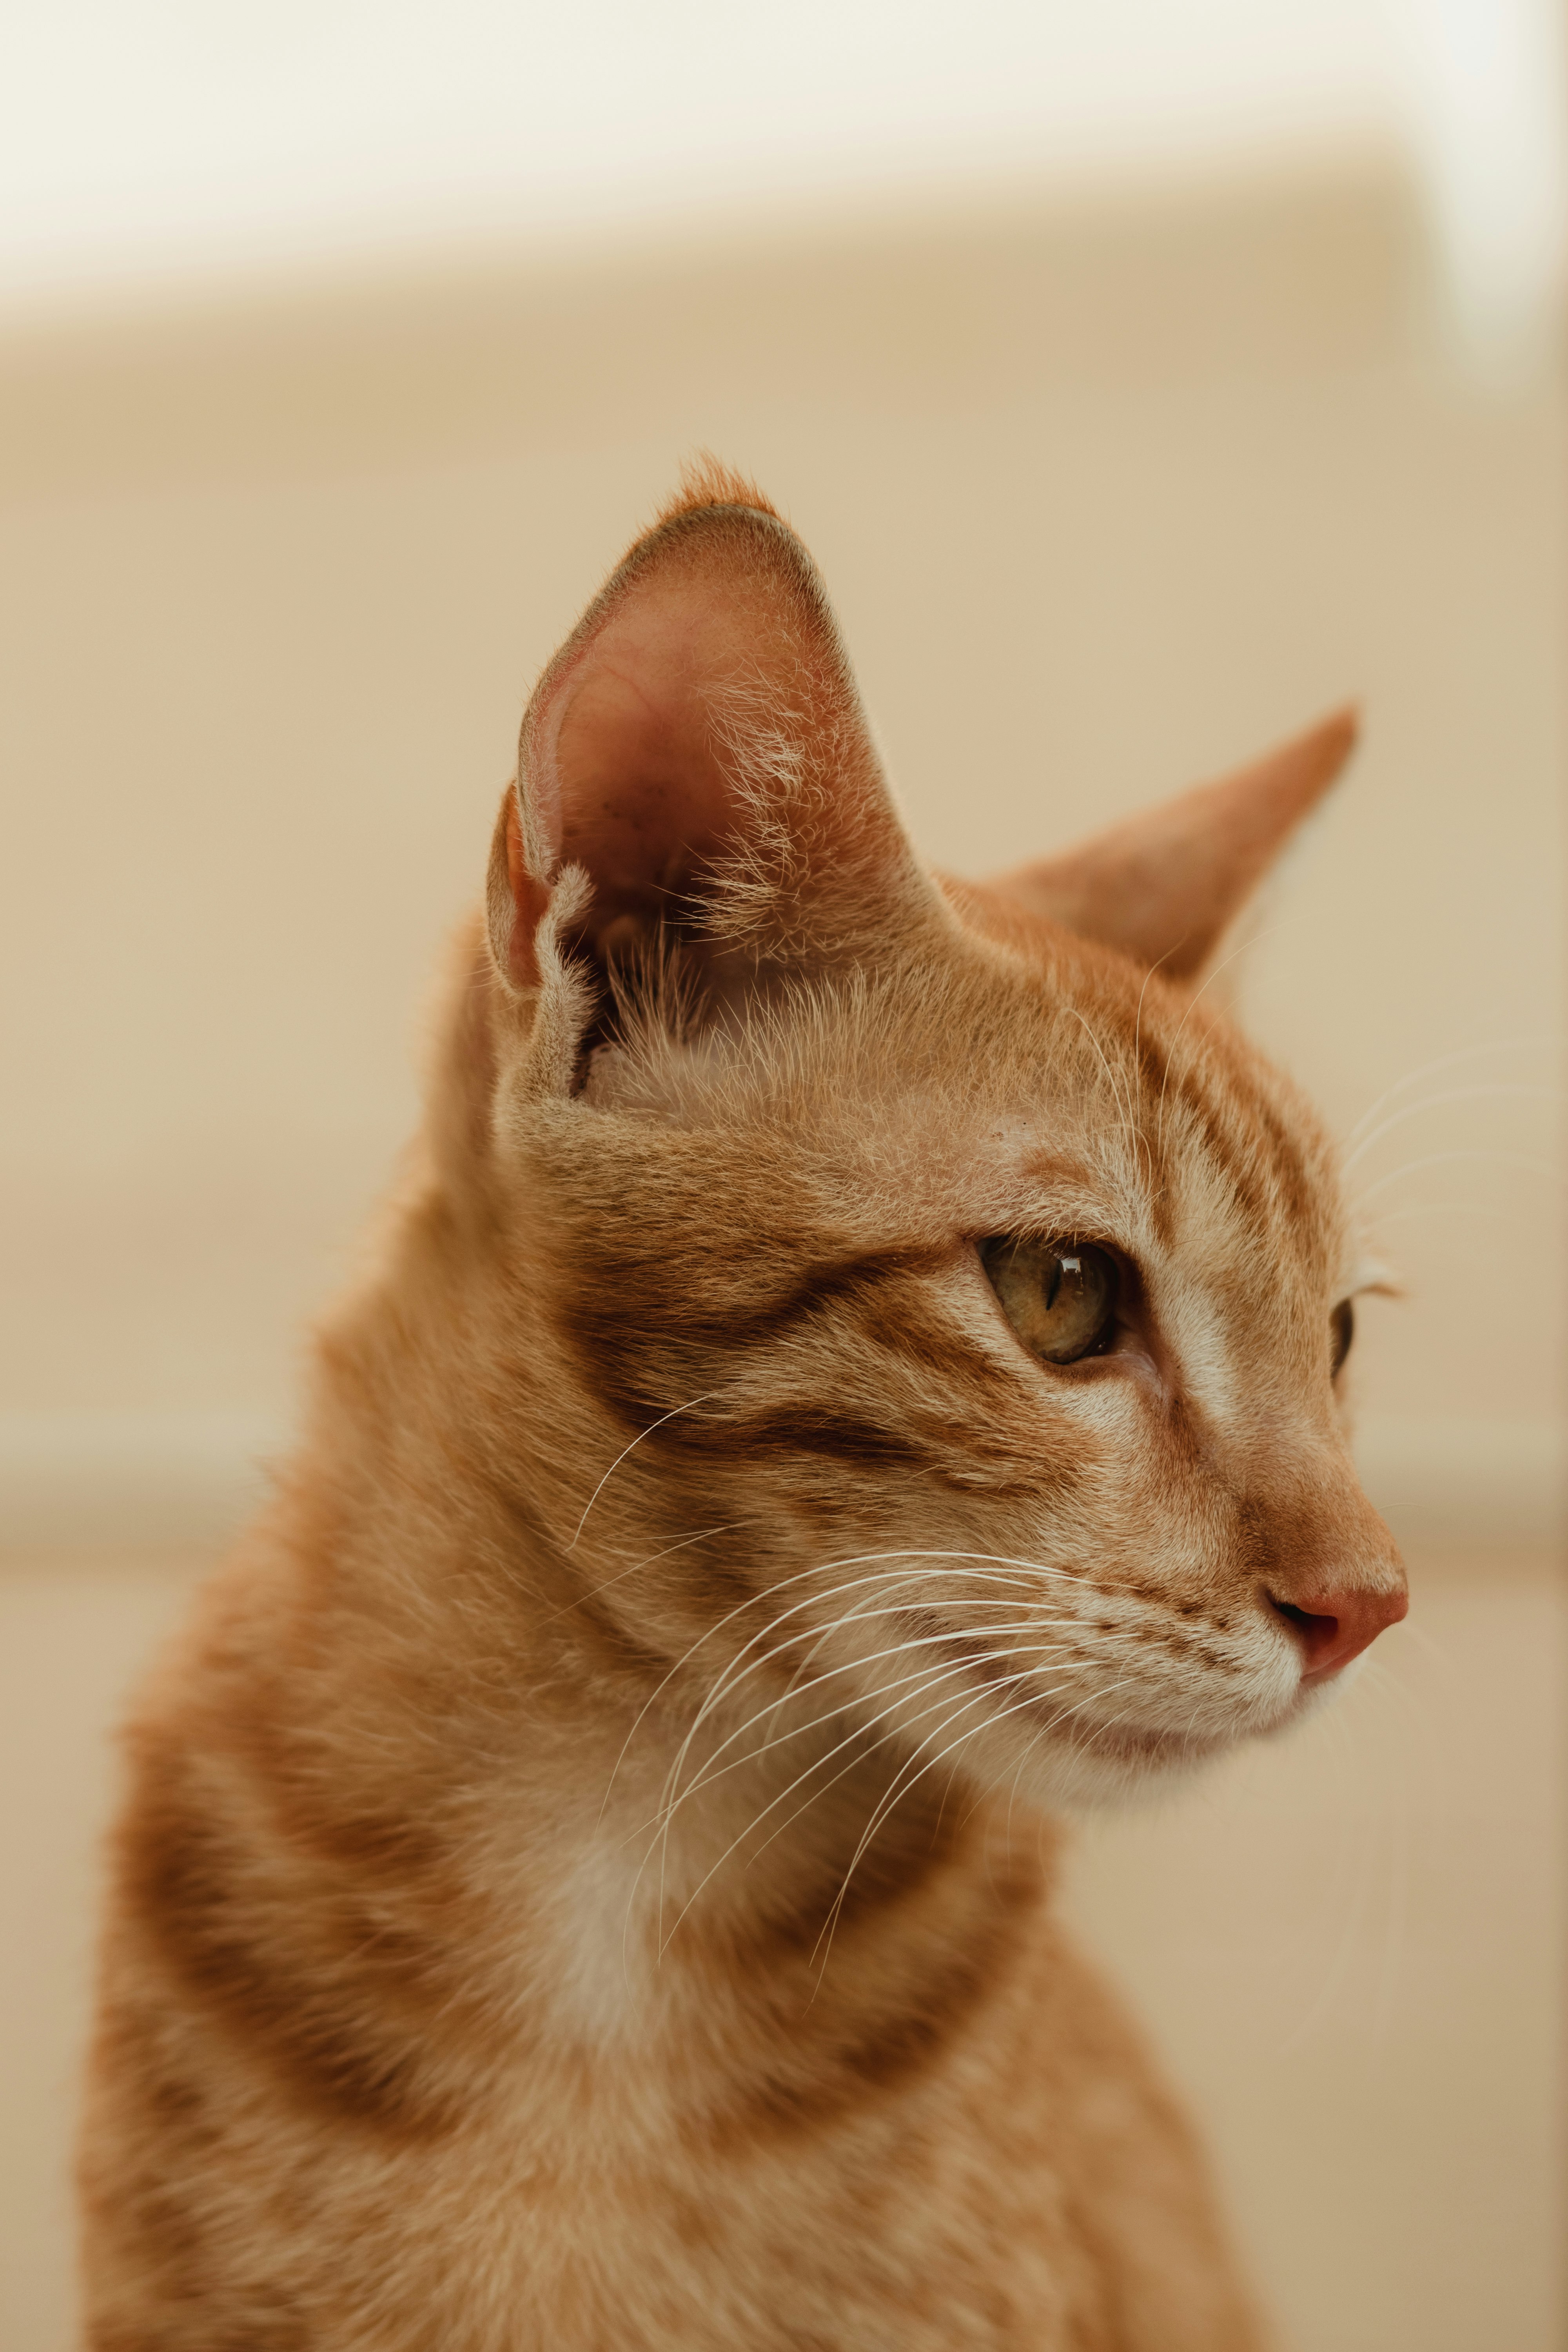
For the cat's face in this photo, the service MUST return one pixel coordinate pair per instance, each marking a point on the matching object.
(974, 1298)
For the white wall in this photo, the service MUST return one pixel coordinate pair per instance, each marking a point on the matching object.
(142, 141)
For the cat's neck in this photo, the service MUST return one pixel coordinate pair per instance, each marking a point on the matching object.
(628, 1850)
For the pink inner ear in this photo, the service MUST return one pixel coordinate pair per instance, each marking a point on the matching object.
(704, 684)
(644, 801)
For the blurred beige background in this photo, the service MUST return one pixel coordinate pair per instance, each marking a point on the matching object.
(1109, 495)
(1111, 492)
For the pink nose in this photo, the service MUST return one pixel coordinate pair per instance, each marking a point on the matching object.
(1335, 1627)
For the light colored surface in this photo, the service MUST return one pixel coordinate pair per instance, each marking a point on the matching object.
(134, 144)
(1350, 1948)
(1107, 496)
(141, 144)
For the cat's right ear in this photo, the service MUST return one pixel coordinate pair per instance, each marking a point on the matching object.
(698, 751)
(1163, 885)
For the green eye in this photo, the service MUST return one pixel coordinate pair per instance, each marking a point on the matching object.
(1341, 1331)
(1059, 1297)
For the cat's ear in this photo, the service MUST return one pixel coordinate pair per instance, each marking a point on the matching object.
(1166, 884)
(697, 749)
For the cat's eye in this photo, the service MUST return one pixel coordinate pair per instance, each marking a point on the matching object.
(1341, 1331)
(1059, 1297)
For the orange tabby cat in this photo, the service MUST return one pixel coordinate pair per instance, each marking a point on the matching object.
(855, 1370)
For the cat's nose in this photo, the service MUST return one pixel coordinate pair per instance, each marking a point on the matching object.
(1332, 1628)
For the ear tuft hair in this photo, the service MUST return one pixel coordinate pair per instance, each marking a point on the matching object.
(707, 481)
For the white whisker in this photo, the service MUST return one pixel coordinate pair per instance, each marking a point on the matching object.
(729, 1680)
(857, 1734)
(896, 1793)
(707, 1776)
(1447, 1062)
(675, 1410)
(682, 1543)
(1434, 1102)
(821, 1567)
(1437, 1159)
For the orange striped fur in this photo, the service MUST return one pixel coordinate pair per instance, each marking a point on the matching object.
(586, 1874)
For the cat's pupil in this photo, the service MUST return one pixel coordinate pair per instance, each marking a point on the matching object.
(1342, 1330)
(1060, 1300)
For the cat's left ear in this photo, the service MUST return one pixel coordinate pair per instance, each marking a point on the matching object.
(1164, 885)
(698, 751)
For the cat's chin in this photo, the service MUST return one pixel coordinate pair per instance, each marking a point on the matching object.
(1117, 1765)
(1314, 1693)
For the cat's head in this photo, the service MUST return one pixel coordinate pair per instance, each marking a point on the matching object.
(955, 1302)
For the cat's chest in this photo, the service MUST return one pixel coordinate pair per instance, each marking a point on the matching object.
(917, 2191)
